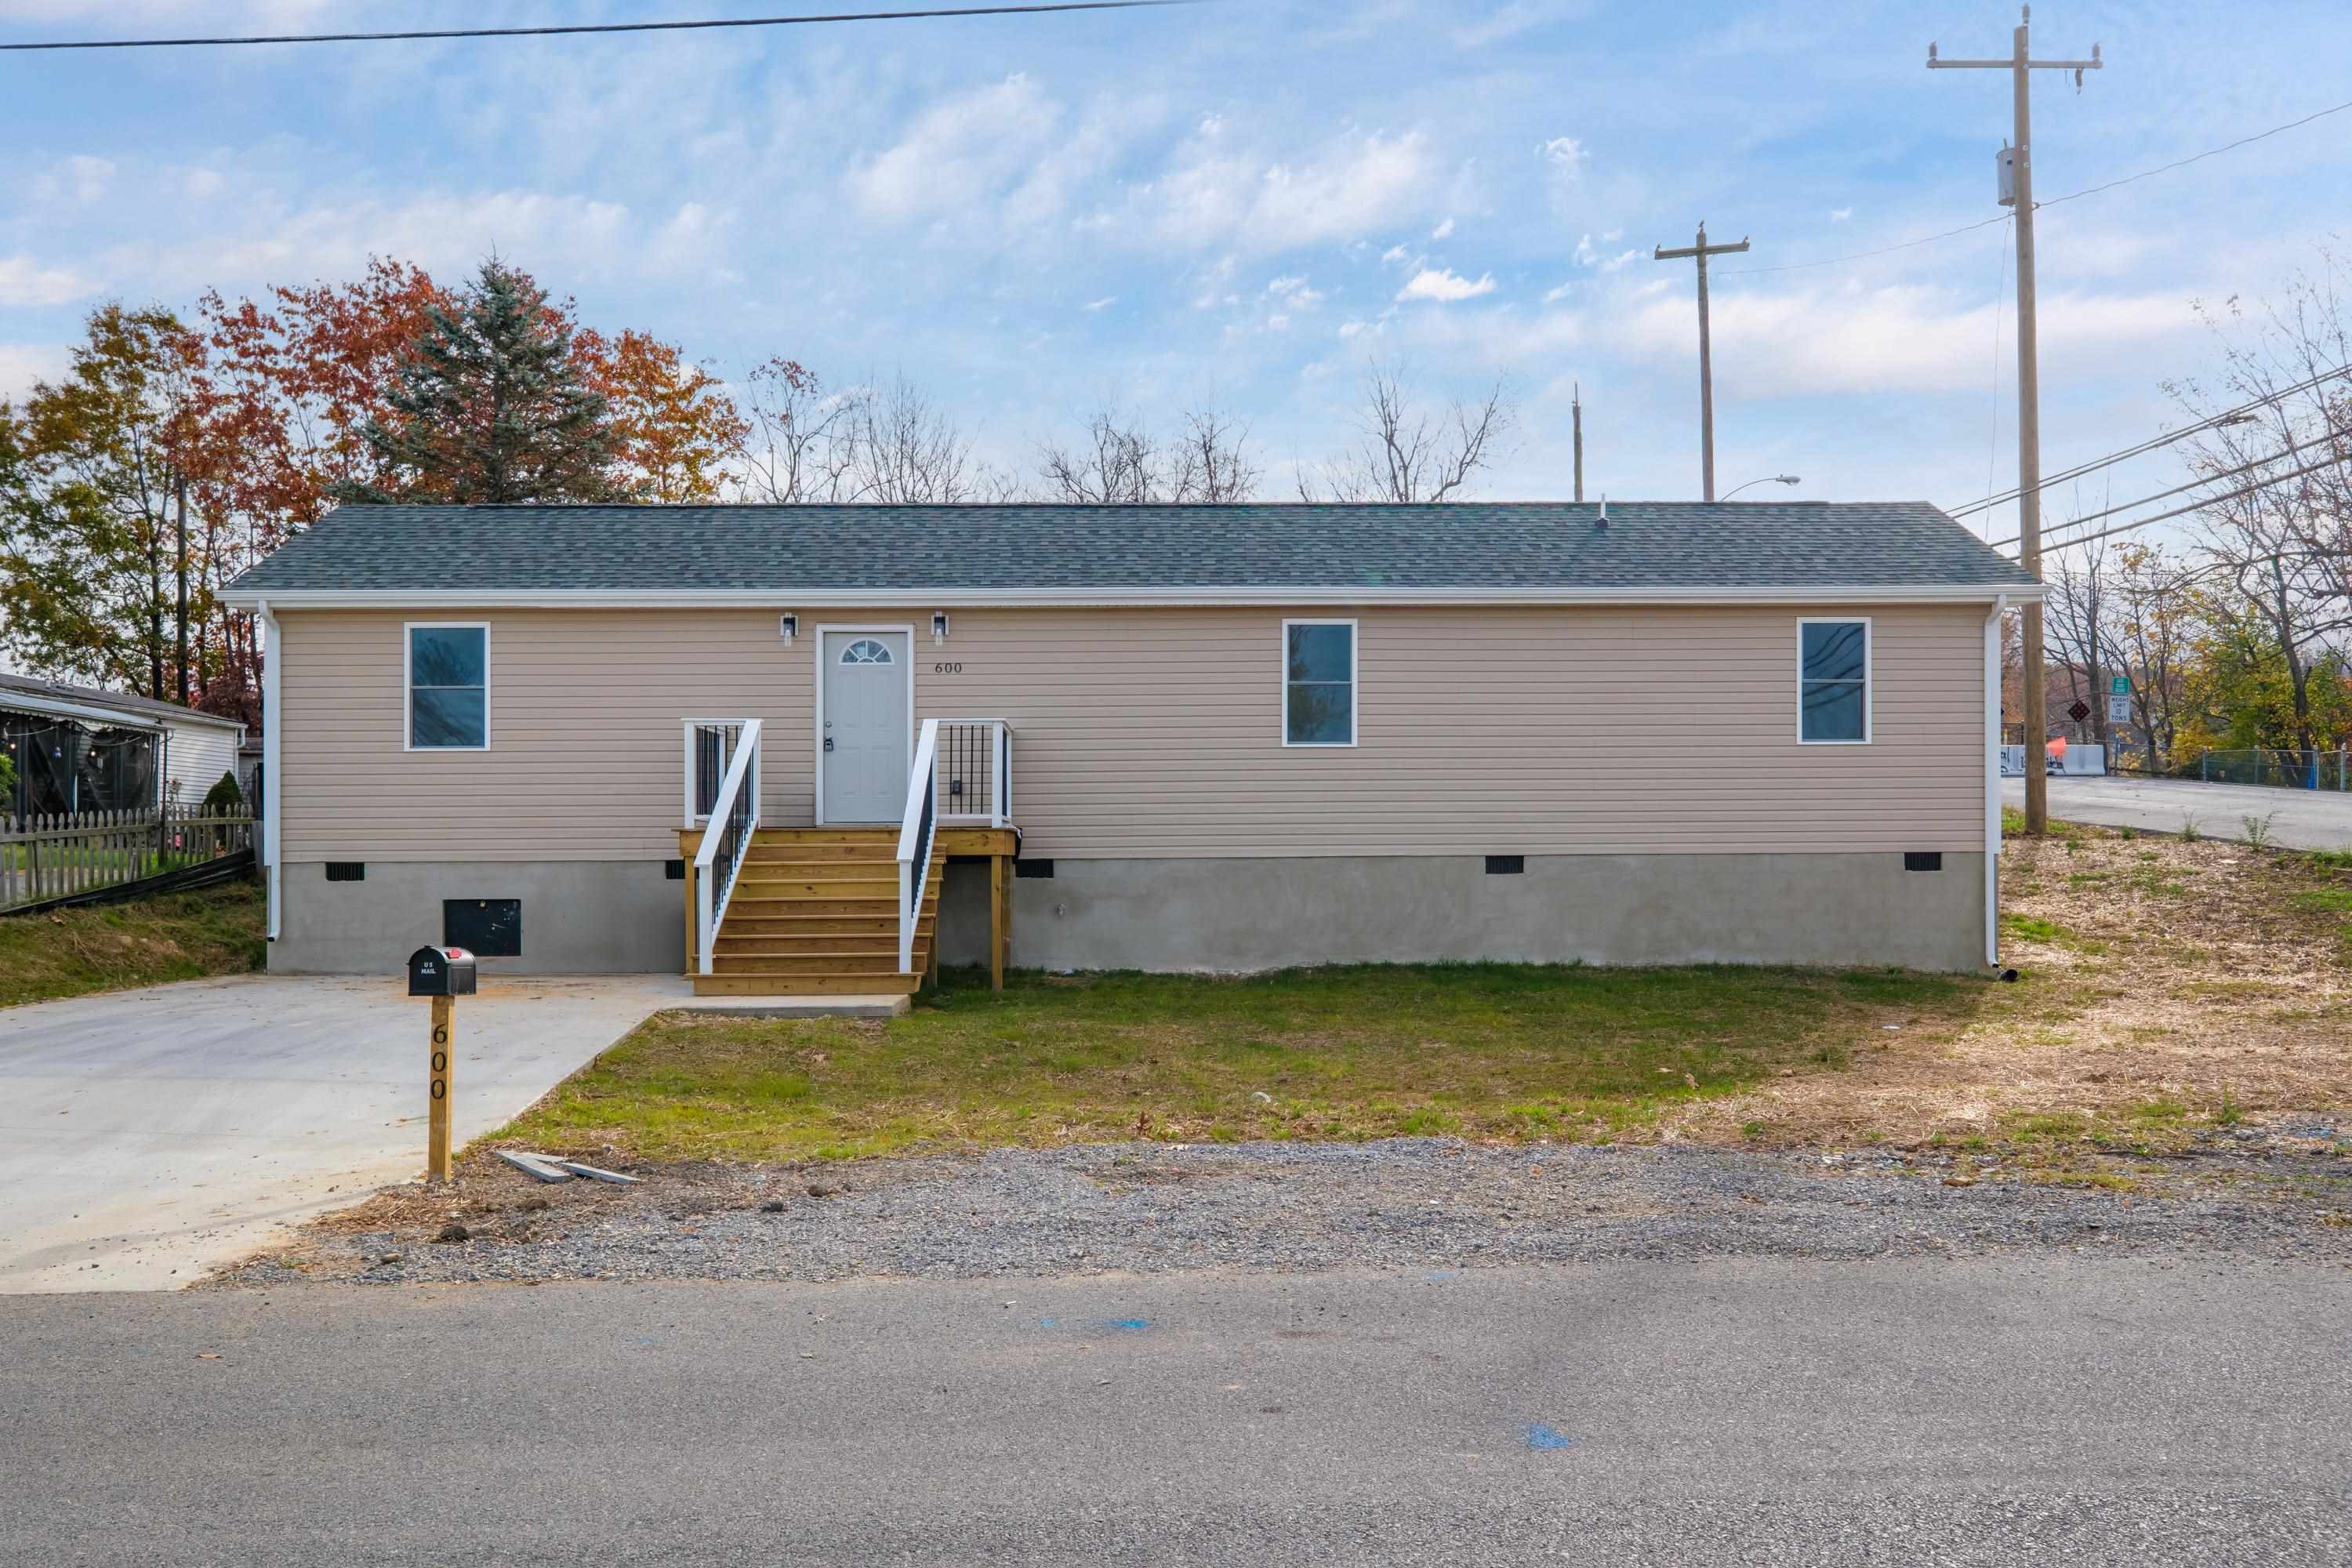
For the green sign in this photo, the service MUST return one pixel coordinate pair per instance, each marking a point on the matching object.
(2119, 687)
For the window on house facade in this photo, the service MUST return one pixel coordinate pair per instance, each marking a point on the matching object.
(1319, 683)
(1833, 682)
(865, 650)
(448, 688)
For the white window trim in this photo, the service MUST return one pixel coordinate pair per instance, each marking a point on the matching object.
(1869, 675)
(1355, 685)
(817, 672)
(408, 682)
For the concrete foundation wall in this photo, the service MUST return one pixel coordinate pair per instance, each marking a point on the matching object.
(579, 917)
(1855, 910)
(1229, 915)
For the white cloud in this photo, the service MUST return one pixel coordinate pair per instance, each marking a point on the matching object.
(1397, 254)
(25, 282)
(1350, 329)
(1446, 285)
(1909, 338)
(1107, 300)
(966, 150)
(1839, 214)
(1565, 154)
(1441, 230)
(1210, 196)
(1295, 294)
(1554, 296)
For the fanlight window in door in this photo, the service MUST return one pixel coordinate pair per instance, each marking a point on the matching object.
(865, 650)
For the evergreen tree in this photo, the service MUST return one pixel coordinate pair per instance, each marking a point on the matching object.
(490, 407)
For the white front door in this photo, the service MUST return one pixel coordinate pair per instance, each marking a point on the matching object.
(862, 728)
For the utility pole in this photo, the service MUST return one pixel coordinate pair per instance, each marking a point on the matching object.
(1576, 412)
(180, 490)
(2020, 64)
(1705, 365)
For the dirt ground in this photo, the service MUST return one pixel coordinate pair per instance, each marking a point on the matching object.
(2164, 985)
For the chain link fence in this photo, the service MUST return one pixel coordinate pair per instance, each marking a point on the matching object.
(2276, 768)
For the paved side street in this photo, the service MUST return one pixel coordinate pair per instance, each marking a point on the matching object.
(2070, 1409)
(2297, 818)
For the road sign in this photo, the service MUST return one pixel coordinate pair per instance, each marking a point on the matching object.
(2119, 709)
(2079, 711)
(2119, 686)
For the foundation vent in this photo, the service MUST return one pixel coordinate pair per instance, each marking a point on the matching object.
(1923, 859)
(1032, 868)
(1506, 865)
(347, 870)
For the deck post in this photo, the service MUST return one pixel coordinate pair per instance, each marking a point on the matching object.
(687, 852)
(996, 914)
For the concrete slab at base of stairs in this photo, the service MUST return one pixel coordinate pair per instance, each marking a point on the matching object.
(798, 1006)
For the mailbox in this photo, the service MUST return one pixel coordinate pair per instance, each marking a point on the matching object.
(440, 971)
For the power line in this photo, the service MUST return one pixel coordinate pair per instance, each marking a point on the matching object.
(2198, 504)
(2227, 417)
(2201, 479)
(2069, 196)
(595, 26)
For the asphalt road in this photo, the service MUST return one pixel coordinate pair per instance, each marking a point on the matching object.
(2073, 1409)
(2299, 818)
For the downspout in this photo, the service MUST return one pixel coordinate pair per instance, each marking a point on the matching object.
(273, 789)
(1992, 780)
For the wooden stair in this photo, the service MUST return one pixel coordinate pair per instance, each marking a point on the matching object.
(816, 913)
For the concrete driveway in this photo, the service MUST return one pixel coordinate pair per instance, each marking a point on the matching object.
(2299, 818)
(148, 1135)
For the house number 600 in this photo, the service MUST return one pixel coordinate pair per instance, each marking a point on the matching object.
(946, 669)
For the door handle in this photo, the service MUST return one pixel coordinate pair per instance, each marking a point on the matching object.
(828, 742)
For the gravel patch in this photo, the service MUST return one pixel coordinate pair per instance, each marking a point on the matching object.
(2282, 1192)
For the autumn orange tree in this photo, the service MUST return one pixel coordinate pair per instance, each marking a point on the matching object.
(261, 406)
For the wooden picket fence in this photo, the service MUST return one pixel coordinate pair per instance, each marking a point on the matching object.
(44, 858)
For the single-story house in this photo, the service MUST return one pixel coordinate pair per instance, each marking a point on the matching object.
(819, 748)
(77, 749)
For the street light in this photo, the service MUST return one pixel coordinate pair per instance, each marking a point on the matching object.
(1766, 480)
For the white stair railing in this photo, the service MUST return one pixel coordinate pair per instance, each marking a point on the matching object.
(733, 817)
(918, 832)
(975, 758)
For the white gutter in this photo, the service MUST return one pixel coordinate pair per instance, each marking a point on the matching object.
(273, 788)
(1010, 599)
(1992, 780)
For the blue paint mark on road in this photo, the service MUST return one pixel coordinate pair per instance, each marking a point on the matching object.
(1542, 1439)
(1120, 1325)
(1440, 1275)
(1129, 1324)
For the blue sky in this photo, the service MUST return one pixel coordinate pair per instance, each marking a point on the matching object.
(1248, 200)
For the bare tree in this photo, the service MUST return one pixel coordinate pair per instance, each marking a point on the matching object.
(2156, 627)
(1406, 452)
(1121, 461)
(906, 449)
(2080, 611)
(798, 448)
(2286, 546)
(886, 443)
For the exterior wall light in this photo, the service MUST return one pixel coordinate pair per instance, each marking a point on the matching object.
(788, 627)
(939, 626)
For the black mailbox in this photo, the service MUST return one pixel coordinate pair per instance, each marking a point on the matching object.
(440, 971)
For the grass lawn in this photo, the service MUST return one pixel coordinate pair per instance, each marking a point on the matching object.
(1489, 1051)
(2167, 987)
(180, 936)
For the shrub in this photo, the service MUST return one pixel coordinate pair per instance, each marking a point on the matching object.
(225, 795)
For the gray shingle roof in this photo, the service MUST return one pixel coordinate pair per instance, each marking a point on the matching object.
(1477, 545)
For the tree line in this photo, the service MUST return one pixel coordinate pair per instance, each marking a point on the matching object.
(192, 444)
(2239, 636)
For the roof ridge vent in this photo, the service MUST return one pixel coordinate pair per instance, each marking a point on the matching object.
(1602, 520)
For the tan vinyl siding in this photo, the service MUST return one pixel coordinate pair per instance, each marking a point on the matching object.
(1145, 732)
